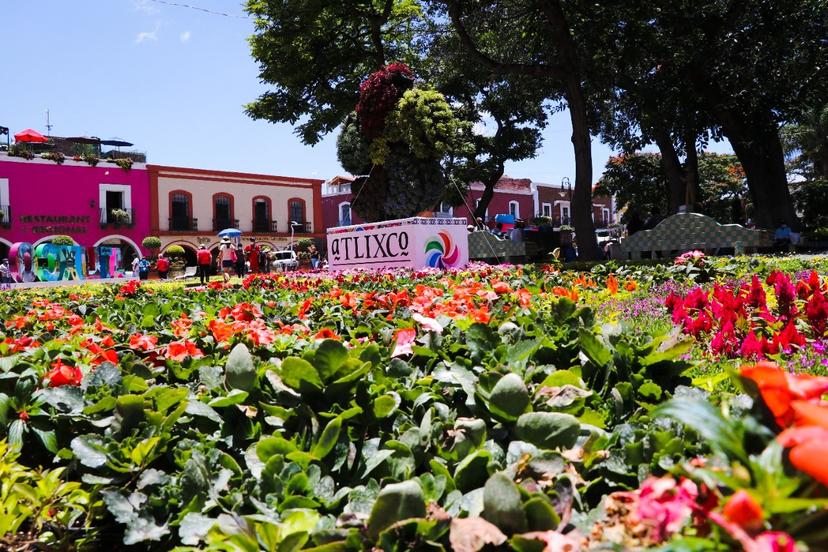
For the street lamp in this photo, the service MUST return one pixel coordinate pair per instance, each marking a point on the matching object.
(293, 225)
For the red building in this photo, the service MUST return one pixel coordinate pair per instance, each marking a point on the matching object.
(511, 195)
(554, 201)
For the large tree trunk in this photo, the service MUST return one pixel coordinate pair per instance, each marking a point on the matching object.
(677, 185)
(691, 172)
(582, 194)
(757, 145)
(486, 198)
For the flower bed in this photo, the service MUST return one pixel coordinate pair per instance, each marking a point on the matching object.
(522, 407)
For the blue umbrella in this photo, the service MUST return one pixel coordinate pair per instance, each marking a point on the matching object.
(230, 233)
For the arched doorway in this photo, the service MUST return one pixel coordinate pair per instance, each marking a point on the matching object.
(5, 246)
(189, 252)
(129, 251)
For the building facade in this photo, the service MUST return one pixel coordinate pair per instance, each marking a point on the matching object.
(193, 205)
(555, 201)
(104, 205)
(516, 196)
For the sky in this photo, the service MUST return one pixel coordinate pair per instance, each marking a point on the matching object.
(174, 81)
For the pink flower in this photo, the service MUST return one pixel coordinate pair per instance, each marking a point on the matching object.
(775, 541)
(428, 323)
(664, 505)
(404, 340)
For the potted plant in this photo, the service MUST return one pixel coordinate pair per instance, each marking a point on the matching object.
(55, 156)
(566, 234)
(152, 244)
(91, 159)
(120, 216)
(63, 240)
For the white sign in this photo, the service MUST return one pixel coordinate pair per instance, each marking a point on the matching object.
(416, 242)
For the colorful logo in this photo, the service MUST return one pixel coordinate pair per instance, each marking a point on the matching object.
(441, 251)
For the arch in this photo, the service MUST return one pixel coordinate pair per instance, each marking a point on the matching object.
(296, 205)
(119, 237)
(5, 248)
(189, 251)
(6, 242)
(189, 197)
(49, 238)
(231, 210)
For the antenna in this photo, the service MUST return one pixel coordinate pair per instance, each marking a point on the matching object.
(49, 124)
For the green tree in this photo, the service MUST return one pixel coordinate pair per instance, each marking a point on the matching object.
(640, 186)
(314, 55)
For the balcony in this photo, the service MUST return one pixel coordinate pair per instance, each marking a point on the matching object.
(264, 226)
(300, 228)
(183, 224)
(224, 223)
(5, 216)
(117, 218)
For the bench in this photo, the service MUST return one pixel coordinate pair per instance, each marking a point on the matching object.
(189, 272)
(684, 232)
(485, 246)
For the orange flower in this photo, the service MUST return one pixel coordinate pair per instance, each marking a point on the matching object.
(809, 414)
(779, 389)
(809, 457)
(743, 510)
(142, 342)
(631, 285)
(326, 333)
(612, 284)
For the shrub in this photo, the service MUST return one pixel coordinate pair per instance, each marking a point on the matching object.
(63, 240)
(19, 150)
(125, 163)
(303, 244)
(541, 221)
(120, 216)
(55, 156)
(151, 242)
(174, 251)
(91, 159)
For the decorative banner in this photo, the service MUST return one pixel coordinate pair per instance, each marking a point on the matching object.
(416, 242)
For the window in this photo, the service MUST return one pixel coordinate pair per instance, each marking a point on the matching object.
(605, 215)
(112, 197)
(262, 221)
(181, 209)
(345, 214)
(5, 220)
(564, 212)
(546, 210)
(223, 212)
(296, 213)
(444, 210)
(514, 209)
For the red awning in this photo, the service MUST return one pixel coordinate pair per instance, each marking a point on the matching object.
(30, 135)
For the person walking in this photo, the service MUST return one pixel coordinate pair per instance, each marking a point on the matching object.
(314, 256)
(241, 267)
(227, 258)
(204, 259)
(163, 266)
(252, 251)
(5, 272)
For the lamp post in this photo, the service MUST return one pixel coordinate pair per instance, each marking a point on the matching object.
(293, 225)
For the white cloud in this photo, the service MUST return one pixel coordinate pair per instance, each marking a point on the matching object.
(185, 37)
(146, 35)
(145, 6)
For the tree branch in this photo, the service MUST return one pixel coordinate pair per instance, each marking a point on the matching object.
(534, 70)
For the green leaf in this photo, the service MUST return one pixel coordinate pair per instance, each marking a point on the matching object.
(65, 399)
(596, 352)
(472, 471)
(236, 396)
(197, 408)
(143, 450)
(708, 422)
(271, 446)
(299, 374)
(105, 374)
(329, 358)
(240, 371)
(385, 405)
(548, 429)
(502, 504)
(509, 397)
(540, 514)
(48, 438)
(394, 503)
(328, 438)
(194, 527)
(89, 450)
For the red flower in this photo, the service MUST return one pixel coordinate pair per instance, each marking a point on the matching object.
(180, 350)
(612, 284)
(142, 342)
(23, 415)
(743, 510)
(404, 339)
(64, 374)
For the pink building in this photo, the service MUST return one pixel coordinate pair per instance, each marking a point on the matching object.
(101, 205)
